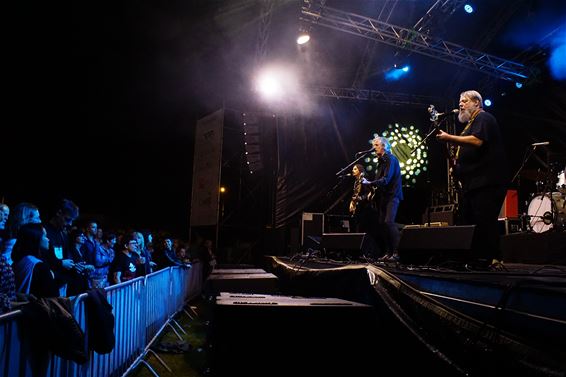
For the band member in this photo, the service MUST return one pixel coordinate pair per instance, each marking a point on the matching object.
(480, 168)
(389, 193)
(360, 204)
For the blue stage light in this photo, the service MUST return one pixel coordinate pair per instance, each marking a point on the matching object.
(518, 85)
(468, 8)
(487, 102)
(396, 73)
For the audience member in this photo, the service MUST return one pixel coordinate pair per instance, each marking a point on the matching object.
(33, 276)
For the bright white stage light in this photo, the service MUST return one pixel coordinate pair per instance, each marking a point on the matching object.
(303, 38)
(269, 86)
(278, 84)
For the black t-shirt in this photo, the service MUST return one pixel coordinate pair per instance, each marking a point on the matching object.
(483, 166)
(124, 264)
(58, 250)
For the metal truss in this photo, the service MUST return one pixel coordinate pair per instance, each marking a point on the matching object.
(376, 96)
(266, 11)
(414, 41)
(363, 70)
(437, 15)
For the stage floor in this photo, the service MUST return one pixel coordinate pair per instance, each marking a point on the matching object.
(509, 313)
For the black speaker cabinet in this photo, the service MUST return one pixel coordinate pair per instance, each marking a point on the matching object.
(342, 241)
(436, 244)
(265, 335)
(312, 227)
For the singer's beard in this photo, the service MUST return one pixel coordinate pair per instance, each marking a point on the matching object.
(464, 116)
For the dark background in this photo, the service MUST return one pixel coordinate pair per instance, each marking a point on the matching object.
(103, 97)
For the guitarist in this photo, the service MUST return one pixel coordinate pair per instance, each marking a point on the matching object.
(482, 172)
(389, 192)
(360, 204)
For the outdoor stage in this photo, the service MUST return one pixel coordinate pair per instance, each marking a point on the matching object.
(509, 322)
(363, 317)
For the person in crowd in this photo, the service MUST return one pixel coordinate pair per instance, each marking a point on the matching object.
(480, 168)
(33, 276)
(7, 279)
(388, 194)
(91, 244)
(104, 257)
(7, 285)
(209, 257)
(182, 254)
(167, 256)
(58, 229)
(23, 213)
(4, 214)
(83, 264)
(142, 258)
(123, 267)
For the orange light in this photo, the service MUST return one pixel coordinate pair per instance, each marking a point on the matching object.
(222, 189)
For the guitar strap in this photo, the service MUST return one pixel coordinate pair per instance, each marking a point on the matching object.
(468, 125)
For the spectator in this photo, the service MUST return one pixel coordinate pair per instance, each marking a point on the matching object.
(104, 257)
(33, 276)
(58, 233)
(123, 266)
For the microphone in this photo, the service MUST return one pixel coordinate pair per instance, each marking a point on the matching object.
(540, 144)
(455, 111)
(364, 152)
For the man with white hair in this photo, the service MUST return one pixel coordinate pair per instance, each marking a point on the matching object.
(388, 194)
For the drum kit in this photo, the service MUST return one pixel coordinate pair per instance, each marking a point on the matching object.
(547, 208)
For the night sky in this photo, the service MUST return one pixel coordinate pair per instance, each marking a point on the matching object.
(103, 97)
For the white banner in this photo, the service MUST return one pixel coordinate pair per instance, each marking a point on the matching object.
(206, 169)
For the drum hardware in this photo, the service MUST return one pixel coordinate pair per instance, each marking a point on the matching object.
(547, 211)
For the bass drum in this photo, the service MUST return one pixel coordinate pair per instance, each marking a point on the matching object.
(561, 185)
(547, 212)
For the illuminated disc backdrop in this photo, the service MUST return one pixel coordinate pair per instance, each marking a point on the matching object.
(403, 140)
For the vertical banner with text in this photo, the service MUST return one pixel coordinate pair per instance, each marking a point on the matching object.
(207, 169)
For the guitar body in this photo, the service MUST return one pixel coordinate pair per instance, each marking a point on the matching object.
(359, 200)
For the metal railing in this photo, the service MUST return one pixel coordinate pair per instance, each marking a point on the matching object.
(142, 308)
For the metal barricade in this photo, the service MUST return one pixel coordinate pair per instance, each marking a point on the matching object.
(142, 308)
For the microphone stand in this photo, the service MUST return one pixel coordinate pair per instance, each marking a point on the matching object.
(342, 171)
(528, 155)
(435, 126)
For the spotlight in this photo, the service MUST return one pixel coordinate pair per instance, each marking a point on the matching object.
(468, 8)
(518, 85)
(303, 38)
(487, 102)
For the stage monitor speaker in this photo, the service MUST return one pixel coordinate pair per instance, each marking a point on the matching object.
(436, 244)
(348, 244)
(342, 241)
(312, 225)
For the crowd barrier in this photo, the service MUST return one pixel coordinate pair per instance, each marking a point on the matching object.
(142, 308)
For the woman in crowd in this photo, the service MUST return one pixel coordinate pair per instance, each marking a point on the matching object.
(33, 276)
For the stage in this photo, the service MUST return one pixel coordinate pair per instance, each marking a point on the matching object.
(448, 315)
(508, 322)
